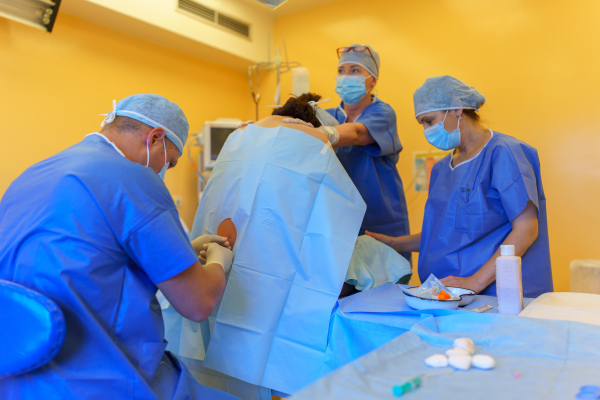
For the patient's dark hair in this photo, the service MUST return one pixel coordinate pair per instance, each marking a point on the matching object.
(298, 107)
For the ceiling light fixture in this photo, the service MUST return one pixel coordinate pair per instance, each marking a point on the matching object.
(272, 4)
(39, 14)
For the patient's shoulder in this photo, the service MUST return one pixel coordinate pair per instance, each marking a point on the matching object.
(275, 121)
(271, 121)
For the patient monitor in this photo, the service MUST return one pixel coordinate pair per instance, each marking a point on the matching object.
(213, 137)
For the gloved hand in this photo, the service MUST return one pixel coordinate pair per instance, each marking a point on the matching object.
(331, 132)
(200, 241)
(214, 253)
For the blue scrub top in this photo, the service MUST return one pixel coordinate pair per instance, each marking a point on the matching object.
(373, 170)
(470, 208)
(96, 232)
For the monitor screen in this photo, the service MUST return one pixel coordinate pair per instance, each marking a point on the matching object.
(218, 136)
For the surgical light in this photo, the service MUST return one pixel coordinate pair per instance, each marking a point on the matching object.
(39, 14)
(272, 4)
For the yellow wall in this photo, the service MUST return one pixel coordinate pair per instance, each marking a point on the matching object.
(536, 61)
(54, 86)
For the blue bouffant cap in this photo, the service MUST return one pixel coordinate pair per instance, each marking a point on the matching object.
(446, 93)
(362, 58)
(156, 111)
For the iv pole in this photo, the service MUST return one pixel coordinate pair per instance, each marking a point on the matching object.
(278, 65)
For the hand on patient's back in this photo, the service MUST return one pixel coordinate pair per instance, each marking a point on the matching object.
(297, 121)
(245, 124)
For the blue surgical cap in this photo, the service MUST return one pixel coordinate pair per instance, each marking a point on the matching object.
(362, 58)
(446, 93)
(156, 111)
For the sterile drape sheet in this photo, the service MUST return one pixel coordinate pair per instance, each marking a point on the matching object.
(297, 215)
(374, 263)
(535, 359)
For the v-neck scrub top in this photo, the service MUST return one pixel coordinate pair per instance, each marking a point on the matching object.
(470, 208)
(373, 171)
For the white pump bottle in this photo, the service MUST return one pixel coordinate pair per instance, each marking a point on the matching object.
(509, 286)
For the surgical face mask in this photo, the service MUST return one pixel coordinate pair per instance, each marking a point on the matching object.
(438, 136)
(351, 88)
(164, 169)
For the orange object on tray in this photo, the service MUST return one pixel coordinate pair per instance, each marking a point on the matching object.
(443, 295)
(227, 229)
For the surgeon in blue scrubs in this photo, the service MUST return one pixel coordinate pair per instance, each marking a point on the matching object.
(487, 192)
(95, 229)
(367, 142)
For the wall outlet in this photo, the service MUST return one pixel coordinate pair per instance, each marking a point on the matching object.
(178, 201)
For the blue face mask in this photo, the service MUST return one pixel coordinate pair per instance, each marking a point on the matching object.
(351, 88)
(164, 169)
(438, 136)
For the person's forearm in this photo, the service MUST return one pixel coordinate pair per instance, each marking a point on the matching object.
(524, 233)
(195, 291)
(407, 243)
(214, 286)
(487, 273)
(353, 134)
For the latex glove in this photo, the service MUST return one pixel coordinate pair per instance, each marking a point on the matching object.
(297, 121)
(217, 254)
(331, 132)
(200, 241)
